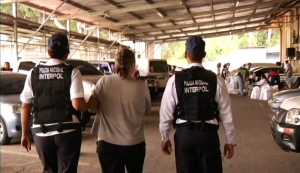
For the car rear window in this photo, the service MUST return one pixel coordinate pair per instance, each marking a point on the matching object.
(26, 65)
(159, 67)
(85, 68)
(12, 84)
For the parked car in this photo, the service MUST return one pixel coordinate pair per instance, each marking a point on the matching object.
(105, 66)
(11, 86)
(108, 67)
(253, 66)
(285, 125)
(279, 97)
(155, 67)
(90, 76)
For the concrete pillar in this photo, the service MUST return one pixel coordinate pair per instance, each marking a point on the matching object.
(15, 55)
(150, 50)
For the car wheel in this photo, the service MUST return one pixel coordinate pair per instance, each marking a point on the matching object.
(4, 139)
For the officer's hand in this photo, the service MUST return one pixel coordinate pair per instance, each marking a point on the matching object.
(26, 142)
(229, 150)
(166, 147)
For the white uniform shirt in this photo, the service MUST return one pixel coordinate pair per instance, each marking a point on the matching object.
(170, 100)
(76, 91)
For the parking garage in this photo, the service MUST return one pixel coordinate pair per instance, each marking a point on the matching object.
(102, 27)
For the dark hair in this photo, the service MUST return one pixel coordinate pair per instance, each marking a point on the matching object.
(265, 77)
(196, 57)
(58, 54)
(125, 60)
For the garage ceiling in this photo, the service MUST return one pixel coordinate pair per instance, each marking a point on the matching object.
(169, 20)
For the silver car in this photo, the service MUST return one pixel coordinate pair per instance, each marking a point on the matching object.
(285, 125)
(11, 86)
(279, 97)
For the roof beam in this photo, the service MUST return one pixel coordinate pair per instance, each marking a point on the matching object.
(203, 23)
(167, 18)
(183, 38)
(206, 29)
(121, 10)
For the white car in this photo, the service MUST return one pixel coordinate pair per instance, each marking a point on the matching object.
(285, 125)
(11, 86)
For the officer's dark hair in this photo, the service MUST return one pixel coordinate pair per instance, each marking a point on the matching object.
(58, 46)
(197, 56)
(125, 60)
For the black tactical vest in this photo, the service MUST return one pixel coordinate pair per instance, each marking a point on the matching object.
(196, 88)
(51, 90)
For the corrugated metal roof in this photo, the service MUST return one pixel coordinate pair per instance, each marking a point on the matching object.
(168, 20)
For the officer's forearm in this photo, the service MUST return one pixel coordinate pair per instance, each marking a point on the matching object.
(25, 118)
(80, 104)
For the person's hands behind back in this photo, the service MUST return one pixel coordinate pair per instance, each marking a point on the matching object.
(166, 147)
(228, 150)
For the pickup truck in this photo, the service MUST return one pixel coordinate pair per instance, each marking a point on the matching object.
(108, 67)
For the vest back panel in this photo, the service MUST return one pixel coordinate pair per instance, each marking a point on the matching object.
(51, 89)
(196, 89)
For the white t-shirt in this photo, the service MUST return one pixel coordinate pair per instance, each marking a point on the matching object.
(123, 106)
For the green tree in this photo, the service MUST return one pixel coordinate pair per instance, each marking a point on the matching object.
(174, 52)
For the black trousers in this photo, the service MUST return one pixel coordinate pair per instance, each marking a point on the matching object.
(275, 80)
(197, 151)
(59, 153)
(114, 158)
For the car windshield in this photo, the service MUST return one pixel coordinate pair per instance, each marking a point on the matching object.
(84, 67)
(12, 83)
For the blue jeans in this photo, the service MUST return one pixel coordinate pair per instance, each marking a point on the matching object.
(241, 84)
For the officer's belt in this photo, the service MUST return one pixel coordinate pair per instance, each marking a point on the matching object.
(202, 126)
(55, 127)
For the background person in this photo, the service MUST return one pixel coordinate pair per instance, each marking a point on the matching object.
(136, 73)
(274, 78)
(289, 69)
(225, 72)
(6, 67)
(197, 146)
(53, 91)
(219, 68)
(243, 78)
(256, 91)
(121, 103)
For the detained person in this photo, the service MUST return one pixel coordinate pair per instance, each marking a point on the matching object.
(121, 103)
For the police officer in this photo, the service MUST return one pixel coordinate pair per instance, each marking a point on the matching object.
(196, 101)
(52, 93)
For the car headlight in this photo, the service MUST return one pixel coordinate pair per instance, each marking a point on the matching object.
(293, 117)
(277, 99)
(14, 108)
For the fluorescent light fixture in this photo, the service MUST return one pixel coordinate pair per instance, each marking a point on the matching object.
(101, 47)
(237, 3)
(3, 37)
(76, 43)
(23, 39)
(159, 13)
(37, 38)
